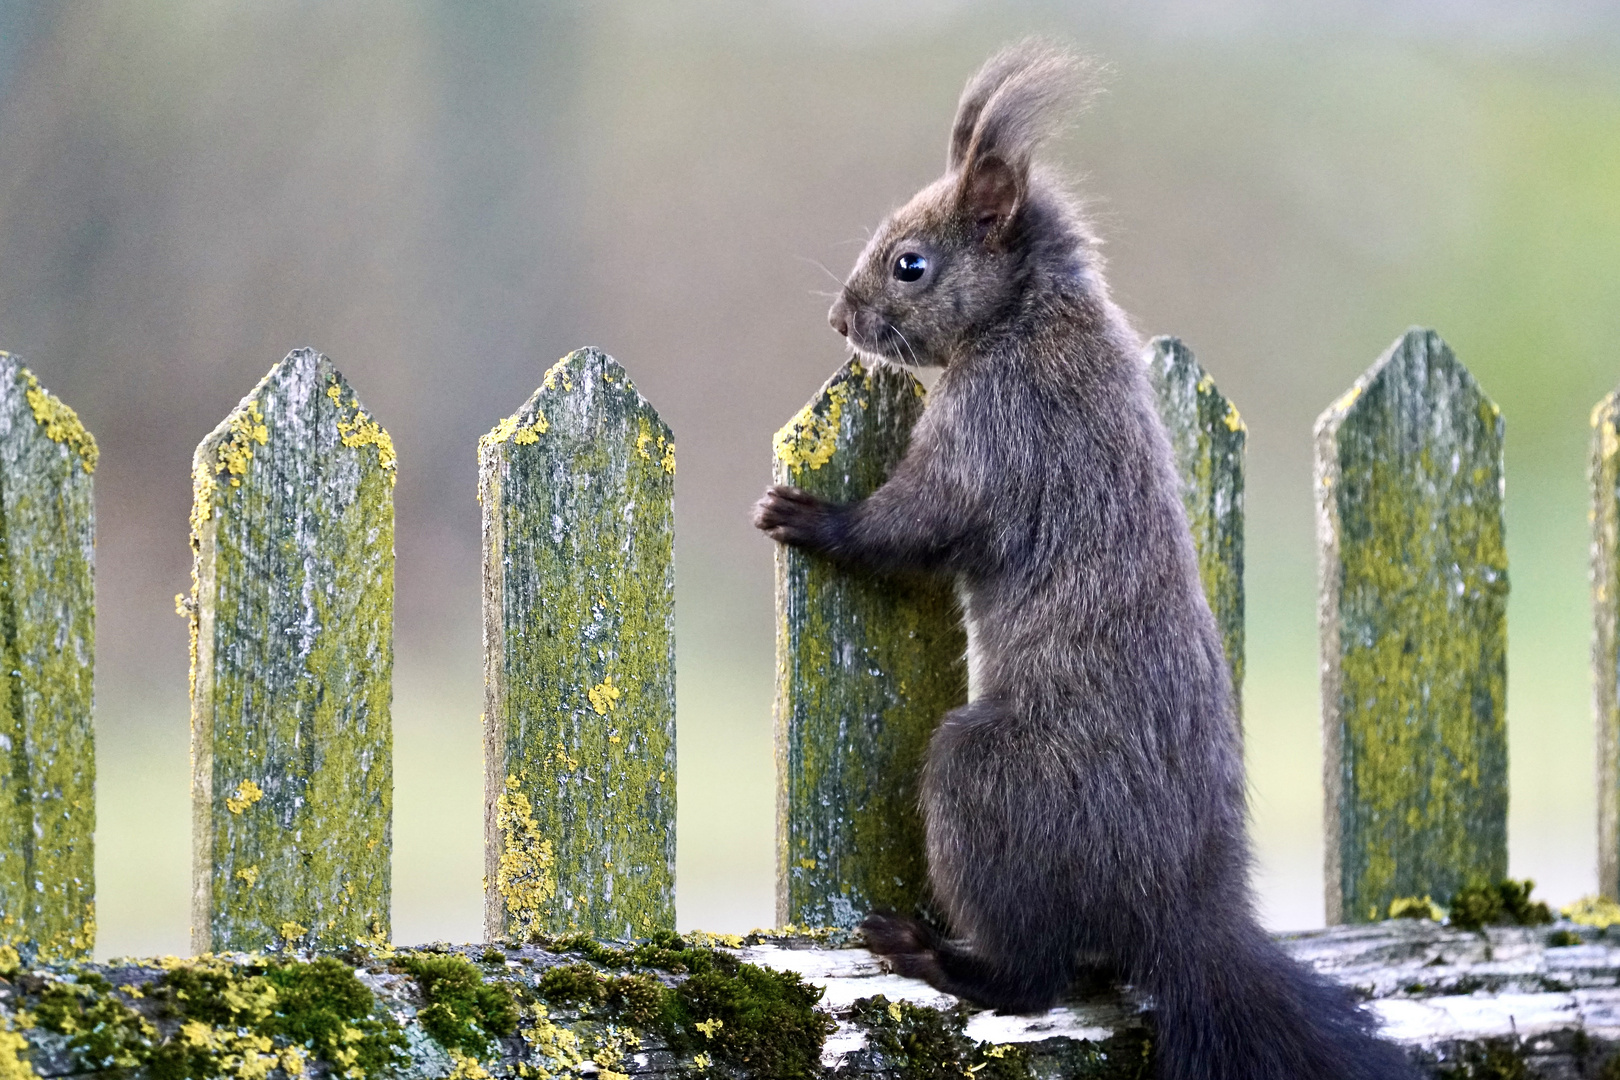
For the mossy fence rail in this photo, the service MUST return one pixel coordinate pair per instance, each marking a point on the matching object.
(291, 615)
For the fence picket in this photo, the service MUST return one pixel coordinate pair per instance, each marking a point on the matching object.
(1208, 438)
(1412, 611)
(1605, 574)
(577, 490)
(292, 660)
(865, 669)
(47, 632)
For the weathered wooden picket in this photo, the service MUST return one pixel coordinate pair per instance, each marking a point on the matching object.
(291, 621)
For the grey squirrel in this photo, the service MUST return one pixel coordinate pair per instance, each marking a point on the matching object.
(1084, 811)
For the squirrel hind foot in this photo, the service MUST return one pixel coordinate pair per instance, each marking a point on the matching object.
(888, 934)
(908, 945)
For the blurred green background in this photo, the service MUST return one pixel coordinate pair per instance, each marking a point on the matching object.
(446, 197)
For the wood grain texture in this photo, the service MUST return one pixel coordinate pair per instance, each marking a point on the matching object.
(1208, 438)
(577, 489)
(1605, 577)
(1412, 612)
(47, 632)
(866, 667)
(292, 613)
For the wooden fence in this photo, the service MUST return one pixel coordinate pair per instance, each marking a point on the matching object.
(291, 616)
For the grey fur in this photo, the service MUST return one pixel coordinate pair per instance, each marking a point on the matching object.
(1085, 811)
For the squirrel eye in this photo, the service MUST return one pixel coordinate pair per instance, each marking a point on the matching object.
(910, 266)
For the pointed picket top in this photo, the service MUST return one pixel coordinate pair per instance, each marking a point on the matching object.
(1412, 608)
(866, 667)
(1208, 438)
(292, 662)
(577, 489)
(47, 634)
(1605, 576)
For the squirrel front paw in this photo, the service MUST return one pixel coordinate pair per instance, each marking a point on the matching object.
(791, 515)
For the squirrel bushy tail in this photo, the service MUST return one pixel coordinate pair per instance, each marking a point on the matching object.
(1241, 1009)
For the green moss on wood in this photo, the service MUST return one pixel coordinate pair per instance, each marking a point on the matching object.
(912, 1042)
(1489, 1059)
(579, 625)
(47, 644)
(1497, 903)
(212, 1017)
(1412, 609)
(865, 669)
(1208, 438)
(463, 1012)
(292, 629)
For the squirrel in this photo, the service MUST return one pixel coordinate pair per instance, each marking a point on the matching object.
(1084, 811)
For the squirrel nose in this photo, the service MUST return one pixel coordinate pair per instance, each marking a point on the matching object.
(839, 316)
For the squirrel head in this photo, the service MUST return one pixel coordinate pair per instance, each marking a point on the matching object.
(969, 248)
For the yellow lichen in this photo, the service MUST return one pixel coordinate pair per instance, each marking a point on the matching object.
(610, 1052)
(246, 427)
(500, 433)
(61, 423)
(1348, 399)
(525, 877)
(292, 933)
(559, 370)
(247, 793)
(9, 961)
(1232, 420)
(248, 875)
(558, 1045)
(709, 1027)
(359, 429)
(604, 696)
(810, 439)
(13, 1064)
(531, 434)
(1595, 911)
(1415, 907)
(467, 1068)
(202, 499)
(511, 428)
(701, 1060)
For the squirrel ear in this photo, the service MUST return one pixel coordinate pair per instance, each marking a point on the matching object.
(990, 192)
(1008, 109)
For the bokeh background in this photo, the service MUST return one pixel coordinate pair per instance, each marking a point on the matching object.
(445, 197)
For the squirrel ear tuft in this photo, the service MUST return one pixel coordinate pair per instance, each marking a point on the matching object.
(1015, 102)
